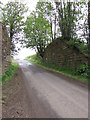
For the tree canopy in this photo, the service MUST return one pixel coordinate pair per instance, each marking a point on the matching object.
(57, 19)
(38, 28)
(48, 21)
(13, 18)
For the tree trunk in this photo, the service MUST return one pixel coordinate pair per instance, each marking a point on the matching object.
(55, 27)
(51, 30)
(40, 50)
(69, 22)
(89, 39)
(89, 43)
(11, 37)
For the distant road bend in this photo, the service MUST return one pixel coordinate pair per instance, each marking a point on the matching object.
(51, 95)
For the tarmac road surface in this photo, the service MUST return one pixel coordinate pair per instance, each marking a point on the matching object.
(51, 95)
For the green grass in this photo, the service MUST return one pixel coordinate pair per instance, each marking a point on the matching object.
(65, 71)
(9, 73)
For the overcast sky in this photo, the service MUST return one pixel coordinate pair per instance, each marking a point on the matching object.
(24, 52)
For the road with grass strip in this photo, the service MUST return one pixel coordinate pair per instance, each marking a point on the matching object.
(51, 95)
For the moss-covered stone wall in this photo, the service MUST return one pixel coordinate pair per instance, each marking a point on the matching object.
(5, 48)
(60, 54)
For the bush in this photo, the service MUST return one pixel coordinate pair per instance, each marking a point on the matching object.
(82, 70)
(78, 74)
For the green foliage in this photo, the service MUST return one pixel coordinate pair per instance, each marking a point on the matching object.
(78, 43)
(47, 10)
(0, 10)
(82, 70)
(65, 71)
(70, 43)
(10, 72)
(69, 16)
(13, 18)
(37, 29)
(42, 24)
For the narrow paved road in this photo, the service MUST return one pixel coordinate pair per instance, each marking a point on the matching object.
(53, 96)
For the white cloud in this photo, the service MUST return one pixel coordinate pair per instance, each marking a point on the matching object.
(24, 52)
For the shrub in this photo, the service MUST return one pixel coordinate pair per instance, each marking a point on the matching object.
(82, 70)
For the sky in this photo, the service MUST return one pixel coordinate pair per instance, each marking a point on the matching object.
(24, 52)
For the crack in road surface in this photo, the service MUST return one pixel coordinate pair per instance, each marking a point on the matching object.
(53, 96)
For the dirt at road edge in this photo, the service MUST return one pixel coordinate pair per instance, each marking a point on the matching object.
(14, 103)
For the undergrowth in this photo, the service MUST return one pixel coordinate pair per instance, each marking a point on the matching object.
(9, 73)
(77, 74)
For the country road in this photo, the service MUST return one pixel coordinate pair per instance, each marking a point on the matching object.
(51, 95)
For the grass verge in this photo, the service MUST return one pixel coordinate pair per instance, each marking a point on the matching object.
(9, 73)
(65, 71)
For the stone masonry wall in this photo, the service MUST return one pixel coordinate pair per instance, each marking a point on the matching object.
(60, 54)
(0, 49)
(6, 59)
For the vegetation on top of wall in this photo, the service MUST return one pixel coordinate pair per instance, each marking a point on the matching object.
(81, 73)
(79, 44)
(50, 21)
(13, 19)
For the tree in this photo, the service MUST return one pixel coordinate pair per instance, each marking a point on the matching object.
(0, 10)
(13, 18)
(38, 29)
(47, 10)
(89, 37)
(69, 14)
(0, 5)
(89, 22)
(37, 32)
